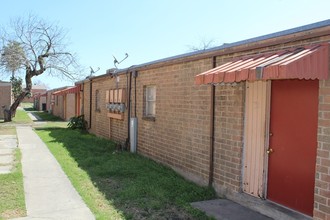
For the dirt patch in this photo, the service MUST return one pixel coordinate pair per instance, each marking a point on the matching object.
(7, 130)
(8, 214)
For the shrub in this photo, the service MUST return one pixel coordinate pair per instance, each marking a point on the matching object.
(78, 122)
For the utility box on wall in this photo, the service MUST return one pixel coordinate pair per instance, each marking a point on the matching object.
(115, 99)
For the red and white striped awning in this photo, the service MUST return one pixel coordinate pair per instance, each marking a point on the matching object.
(310, 62)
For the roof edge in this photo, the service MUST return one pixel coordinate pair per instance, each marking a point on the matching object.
(278, 34)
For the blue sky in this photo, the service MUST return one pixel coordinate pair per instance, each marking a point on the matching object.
(149, 30)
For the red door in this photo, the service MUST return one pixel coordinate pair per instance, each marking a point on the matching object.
(293, 140)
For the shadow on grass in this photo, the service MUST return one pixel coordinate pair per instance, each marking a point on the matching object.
(45, 116)
(139, 187)
(42, 115)
(29, 109)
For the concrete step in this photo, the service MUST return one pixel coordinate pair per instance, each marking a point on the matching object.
(223, 209)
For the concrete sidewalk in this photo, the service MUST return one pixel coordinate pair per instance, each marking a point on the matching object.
(8, 144)
(223, 209)
(48, 192)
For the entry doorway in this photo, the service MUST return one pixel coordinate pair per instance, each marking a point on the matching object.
(43, 107)
(293, 143)
(280, 142)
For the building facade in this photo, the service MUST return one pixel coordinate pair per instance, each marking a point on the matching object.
(6, 97)
(36, 91)
(66, 102)
(251, 119)
(40, 102)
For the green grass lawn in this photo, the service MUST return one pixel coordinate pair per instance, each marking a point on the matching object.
(21, 117)
(121, 185)
(52, 120)
(8, 128)
(46, 116)
(27, 105)
(12, 201)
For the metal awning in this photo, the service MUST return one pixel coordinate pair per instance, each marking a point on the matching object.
(74, 89)
(309, 62)
(40, 94)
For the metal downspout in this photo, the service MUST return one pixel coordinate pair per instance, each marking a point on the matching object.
(129, 109)
(90, 103)
(82, 107)
(212, 108)
(135, 75)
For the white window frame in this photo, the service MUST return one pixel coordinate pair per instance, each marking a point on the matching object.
(97, 100)
(150, 100)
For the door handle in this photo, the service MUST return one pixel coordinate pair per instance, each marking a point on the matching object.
(269, 151)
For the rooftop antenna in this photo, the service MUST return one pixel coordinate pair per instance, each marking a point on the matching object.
(115, 61)
(94, 71)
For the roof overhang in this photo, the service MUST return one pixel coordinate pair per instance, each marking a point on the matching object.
(75, 89)
(40, 95)
(309, 62)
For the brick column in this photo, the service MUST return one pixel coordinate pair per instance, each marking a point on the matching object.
(322, 177)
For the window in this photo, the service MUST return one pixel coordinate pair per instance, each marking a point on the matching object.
(97, 101)
(150, 101)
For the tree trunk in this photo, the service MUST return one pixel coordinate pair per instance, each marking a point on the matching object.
(9, 113)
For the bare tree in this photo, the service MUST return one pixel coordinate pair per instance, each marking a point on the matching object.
(203, 45)
(40, 47)
(40, 83)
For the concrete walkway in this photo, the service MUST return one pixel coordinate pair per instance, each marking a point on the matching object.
(48, 192)
(223, 209)
(8, 144)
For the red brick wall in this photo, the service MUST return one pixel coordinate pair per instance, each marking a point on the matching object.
(70, 105)
(322, 177)
(5, 96)
(50, 101)
(86, 101)
(101, 123)
(228, 146)
(42, 100)
(58, 107)
(179, 135)
(34, 92)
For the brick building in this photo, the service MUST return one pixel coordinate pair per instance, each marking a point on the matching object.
(50, 100)
(66, 102)
(5, 97)
(35, 92)
(63, 102)
(239, 117)
(40, 102)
